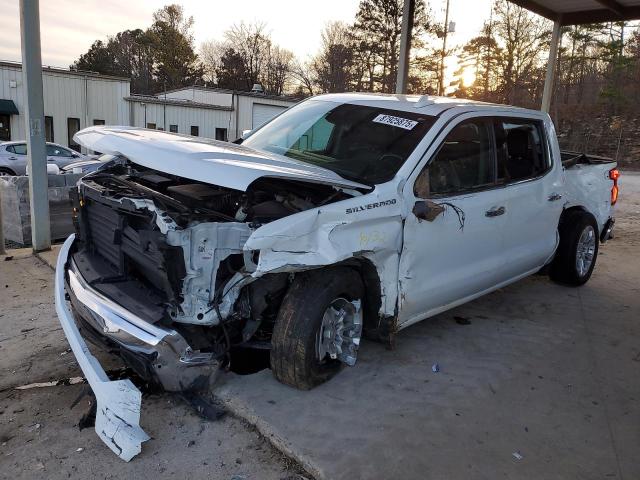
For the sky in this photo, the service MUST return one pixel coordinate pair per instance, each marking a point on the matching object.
(69, 27)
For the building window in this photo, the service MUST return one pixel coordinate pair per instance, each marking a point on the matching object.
(98, 122)
(221, 134)
(73, 126)
(48, 129)
(173, 128)
(152, 126)
(195, 131)
(5, 128)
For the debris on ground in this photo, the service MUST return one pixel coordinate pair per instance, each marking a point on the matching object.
(435, 368)
(517, 455)
(55, 383)
(202, 406)
(462, 320)
(8, 258)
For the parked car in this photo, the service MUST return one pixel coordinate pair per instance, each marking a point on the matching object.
(52, 169)
(347, 215)
(87, 166)
(13, 157)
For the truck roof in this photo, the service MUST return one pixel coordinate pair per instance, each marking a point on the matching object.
(427, 104)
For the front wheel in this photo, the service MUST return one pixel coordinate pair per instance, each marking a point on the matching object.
(578, 249)
(318, 327)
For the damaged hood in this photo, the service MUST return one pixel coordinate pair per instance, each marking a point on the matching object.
(211, 161)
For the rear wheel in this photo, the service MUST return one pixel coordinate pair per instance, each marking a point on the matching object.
(318, 328)
(578, 249)
(6, 172)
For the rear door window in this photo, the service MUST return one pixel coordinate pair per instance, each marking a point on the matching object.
(18, 149)
(521, 150)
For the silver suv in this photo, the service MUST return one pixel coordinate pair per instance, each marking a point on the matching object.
(13, 157)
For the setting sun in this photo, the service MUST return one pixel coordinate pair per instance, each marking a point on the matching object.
(468, 76)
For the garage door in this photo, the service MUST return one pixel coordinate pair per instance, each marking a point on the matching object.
(263, 113)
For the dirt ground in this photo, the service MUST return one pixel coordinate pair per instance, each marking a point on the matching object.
(39, 435)
(541, 371)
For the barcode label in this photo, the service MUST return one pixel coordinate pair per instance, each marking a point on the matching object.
(395, 121)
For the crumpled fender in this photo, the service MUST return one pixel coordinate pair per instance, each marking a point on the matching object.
(368, 226)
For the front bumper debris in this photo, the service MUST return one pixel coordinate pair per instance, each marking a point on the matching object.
(162, 354)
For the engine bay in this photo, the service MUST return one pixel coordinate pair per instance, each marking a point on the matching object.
(171, 249)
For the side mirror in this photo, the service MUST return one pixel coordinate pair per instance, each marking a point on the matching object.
(427, 210)
(245, 134)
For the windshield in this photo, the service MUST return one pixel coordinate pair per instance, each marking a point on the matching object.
(365, 144)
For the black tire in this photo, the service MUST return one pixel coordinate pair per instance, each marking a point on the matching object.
(6, 171)
(294, 358)
(563, 268)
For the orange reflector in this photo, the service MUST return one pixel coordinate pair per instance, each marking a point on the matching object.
(614, 174)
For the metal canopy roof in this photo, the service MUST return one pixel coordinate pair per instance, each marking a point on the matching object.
(7, 107)
(574, 12)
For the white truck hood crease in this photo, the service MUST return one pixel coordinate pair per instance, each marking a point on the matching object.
(211, 161)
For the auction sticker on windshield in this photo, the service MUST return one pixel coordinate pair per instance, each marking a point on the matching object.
(395, 121)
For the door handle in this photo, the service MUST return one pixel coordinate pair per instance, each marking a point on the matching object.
(495, 212)
(554, 196)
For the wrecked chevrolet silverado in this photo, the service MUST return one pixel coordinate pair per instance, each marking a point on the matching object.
(346, 216)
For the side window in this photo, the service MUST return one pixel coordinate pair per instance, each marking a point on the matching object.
(316, 138)
(520, 148)
(55, 151)
(18, 149)
(221, 134)
(464, 162)
(73, 127)
(48, 129)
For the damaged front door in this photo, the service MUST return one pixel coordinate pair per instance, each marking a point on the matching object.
(453, 238)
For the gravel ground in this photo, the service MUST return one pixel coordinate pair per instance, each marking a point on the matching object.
(39, 434)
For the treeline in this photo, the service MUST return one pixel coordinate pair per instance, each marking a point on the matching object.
(598, 64)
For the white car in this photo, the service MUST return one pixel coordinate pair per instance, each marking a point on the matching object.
(13, 157)
(347, 215)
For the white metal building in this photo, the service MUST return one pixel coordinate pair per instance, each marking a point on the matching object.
(75, 100)
(72, 101)
(207, 112)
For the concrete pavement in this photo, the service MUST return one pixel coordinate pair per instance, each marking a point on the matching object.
(536, 381)
(544, 382)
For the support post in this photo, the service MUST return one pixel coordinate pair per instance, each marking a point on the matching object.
(441, 87)
(34, 120)
(551, 67)
(405, 46)
(2, 251)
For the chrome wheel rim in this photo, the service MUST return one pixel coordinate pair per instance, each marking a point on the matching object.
(5, 174)
(586, 250)
(340, 331)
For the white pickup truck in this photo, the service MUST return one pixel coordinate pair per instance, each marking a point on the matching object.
(347, 215)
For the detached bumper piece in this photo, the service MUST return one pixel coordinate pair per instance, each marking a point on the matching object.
(162, 353)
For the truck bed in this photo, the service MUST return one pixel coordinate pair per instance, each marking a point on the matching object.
(571, 158)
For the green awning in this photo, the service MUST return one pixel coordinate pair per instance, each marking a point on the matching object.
(7, 107)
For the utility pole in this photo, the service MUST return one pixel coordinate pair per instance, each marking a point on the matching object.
(405, 46)
(444, 50)
(34, 120)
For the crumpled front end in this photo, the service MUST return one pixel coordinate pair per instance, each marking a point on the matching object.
(162, 272)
